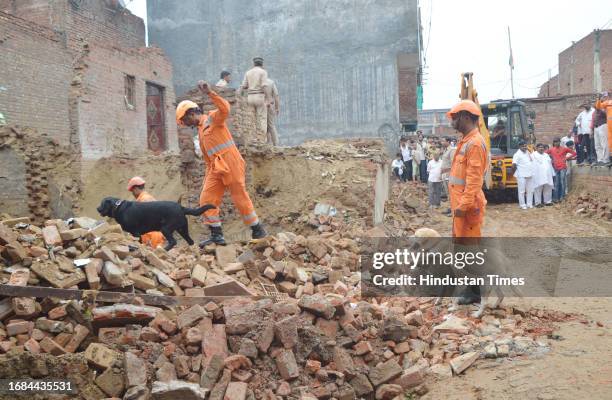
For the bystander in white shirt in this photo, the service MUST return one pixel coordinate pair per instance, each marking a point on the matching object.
(406, 152)
(542, 177)
(434, 169)
(583, 121)
(399, 165)
(566, 139)
(523, 162)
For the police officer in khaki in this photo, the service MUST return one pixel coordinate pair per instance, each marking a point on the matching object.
(254, 83)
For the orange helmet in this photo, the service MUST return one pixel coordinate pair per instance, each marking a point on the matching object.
(135, 181)
(182, 109)
(464, 105)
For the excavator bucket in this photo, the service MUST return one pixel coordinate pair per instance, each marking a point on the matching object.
(469, 93)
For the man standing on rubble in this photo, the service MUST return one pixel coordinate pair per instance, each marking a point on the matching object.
(465, 182)
(447, 159)
(604, 102)
(226, 78)
(225, 167)
(583, 124)
(136, 185)
(273, 109)
(254, 82)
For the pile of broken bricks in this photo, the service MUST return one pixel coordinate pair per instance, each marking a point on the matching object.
(319, 340)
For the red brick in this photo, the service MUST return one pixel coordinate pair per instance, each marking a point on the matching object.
(80, 333)
(48, 345)
(57, 312)
(236, 391)
(16, 327)
(287, 366)
(19, 277)
(286, 331)
(32, 346)
(362, 348)
(214, 342)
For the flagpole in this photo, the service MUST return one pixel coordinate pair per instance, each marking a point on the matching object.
(511, 64)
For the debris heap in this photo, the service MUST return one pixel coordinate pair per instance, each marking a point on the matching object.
(591, 206)
(150, 324)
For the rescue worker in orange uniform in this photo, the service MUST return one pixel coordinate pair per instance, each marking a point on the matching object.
(225, 167)
(605, 103)
(136, 185)
(465, 182)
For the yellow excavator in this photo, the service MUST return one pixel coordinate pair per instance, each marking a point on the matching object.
(503, 125)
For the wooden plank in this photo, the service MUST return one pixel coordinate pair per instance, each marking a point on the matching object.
(111, 297)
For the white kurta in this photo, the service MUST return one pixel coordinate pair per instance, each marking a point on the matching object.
(543, 170)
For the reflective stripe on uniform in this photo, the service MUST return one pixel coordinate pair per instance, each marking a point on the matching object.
(220, 147)
(254, 222)
(467, 146)
(249, 216)
(453, 180)
(250, 219)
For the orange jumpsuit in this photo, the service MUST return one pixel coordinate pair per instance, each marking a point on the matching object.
(607, 107)
(465, 185)
(225, 167)
(154, 238)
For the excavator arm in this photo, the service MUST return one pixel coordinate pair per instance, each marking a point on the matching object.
(469, 93)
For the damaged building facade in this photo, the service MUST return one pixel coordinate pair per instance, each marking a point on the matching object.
(78, 74)
(343, 68)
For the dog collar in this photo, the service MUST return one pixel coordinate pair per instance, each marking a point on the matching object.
(116, 206)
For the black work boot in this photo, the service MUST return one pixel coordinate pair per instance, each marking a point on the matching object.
(258, 231)
(470, 296)
(216, 236)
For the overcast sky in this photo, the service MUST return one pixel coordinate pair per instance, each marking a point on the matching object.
(472, 35)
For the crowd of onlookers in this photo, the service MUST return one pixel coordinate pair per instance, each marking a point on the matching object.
(541, 173)
(427, 160)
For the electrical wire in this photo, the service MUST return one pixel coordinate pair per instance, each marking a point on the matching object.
(428, 32)
(539, 74)
(502, 90)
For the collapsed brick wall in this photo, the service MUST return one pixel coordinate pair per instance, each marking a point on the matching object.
(86, 20)
(555, 116)
(65, 77)
(107, 126)
(36, 75)
(51, 187)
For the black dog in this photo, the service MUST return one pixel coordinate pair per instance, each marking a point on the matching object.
(140, 218)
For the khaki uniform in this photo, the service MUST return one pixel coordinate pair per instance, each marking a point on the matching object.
(273, 108)
(447, 160)
(254, 81)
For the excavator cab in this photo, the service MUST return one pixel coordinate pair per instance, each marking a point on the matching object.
(508, 125)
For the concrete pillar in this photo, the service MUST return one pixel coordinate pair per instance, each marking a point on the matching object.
(381, 193)
(597, 87)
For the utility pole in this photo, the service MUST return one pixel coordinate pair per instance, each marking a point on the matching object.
(548, 84)
(511, 62)
(597, 63)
